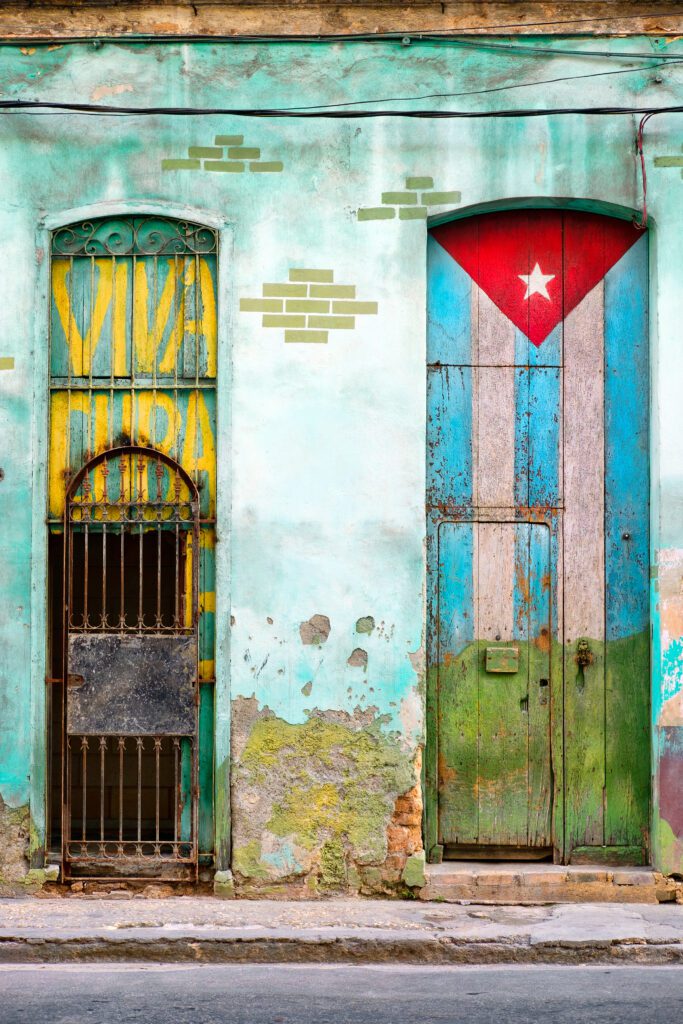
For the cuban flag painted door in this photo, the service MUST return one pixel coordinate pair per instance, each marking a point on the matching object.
(537, 503)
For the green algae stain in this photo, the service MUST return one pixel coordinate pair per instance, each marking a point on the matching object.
(333, 869)
(606, 754)
(246, 861)
(667, 847)
(341, 785)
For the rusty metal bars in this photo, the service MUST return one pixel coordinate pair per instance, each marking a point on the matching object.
(154, 524)
(136, 821)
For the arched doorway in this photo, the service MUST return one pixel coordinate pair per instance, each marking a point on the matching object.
(538, 515)
(130, 649)
(131, 524)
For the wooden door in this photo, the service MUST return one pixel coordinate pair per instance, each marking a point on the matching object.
(493, 655)
(538, 534)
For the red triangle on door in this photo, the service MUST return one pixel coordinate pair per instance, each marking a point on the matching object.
(537, 265)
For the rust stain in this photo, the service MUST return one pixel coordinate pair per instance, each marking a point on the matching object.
(446, 773)
(542, 641)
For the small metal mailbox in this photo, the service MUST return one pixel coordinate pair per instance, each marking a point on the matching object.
(502, 659)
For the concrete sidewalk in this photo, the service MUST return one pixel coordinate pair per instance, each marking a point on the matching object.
(203, 929)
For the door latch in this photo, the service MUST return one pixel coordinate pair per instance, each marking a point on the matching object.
(584, 655)
(584, 658)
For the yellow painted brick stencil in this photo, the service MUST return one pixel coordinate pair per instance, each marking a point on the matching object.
(670, 161)
(227, 155)
(413, 202)
(309, 305)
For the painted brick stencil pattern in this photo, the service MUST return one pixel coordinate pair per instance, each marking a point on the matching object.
(670, 161)
(309, 305)
(412, 203)
(228, 154)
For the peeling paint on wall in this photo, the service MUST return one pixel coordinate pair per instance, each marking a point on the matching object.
(14, 845)
(326, 456)
(315, 802)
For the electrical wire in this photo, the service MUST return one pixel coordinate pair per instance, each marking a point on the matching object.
(57, 107)
(482, 92)
(405, 38)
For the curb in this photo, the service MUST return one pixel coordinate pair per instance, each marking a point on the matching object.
(304, 948)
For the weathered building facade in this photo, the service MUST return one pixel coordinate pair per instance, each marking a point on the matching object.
(341, 461)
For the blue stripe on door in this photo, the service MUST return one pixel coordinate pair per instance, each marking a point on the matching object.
(520, 582)
(449, 430)
(547, 354)
(521, 481)
(449, 290)
(537, 436)
(626, 444)
(456, 587)
(545, 410)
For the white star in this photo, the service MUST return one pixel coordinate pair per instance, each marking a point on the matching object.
(536, 282)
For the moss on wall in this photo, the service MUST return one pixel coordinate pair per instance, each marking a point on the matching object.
(14, 842)
(315, 800)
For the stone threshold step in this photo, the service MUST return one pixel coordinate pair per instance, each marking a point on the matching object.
(537, 883)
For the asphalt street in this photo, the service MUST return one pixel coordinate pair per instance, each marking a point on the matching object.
(292, 994)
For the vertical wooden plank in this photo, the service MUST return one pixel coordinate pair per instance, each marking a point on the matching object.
(495, 449)
(584, 570)
(546, 230)
(59, 318)
(549, 353)
(457, 684)
(503, 717)
(517, 228)
(557, 713)
(627, 784)
(522, 437)
(449, 432)
(206, 726)
(545, 429)
(449, 287)
(494, 333)
(540, 682)
(432, 738)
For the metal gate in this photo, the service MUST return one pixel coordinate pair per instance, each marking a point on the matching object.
(131, 521)
(130, 622)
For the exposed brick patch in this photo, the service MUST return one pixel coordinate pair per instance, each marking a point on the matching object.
(227, 155)
(412, 203)
(404, 832)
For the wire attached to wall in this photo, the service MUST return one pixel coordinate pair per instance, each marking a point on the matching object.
(95, 109)
(642, 223)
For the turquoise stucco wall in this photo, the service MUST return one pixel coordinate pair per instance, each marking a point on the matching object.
(323, 444)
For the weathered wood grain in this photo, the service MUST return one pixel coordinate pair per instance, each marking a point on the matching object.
(457, 679)
(503, 761)
(540, 683)
(627, 662)
(495, 449)
(494, 333)
(584, 569)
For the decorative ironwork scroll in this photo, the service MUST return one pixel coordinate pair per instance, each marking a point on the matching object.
(133, 236)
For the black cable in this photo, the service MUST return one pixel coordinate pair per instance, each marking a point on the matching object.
(406, 38)
(29, 106)
(480, 92)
